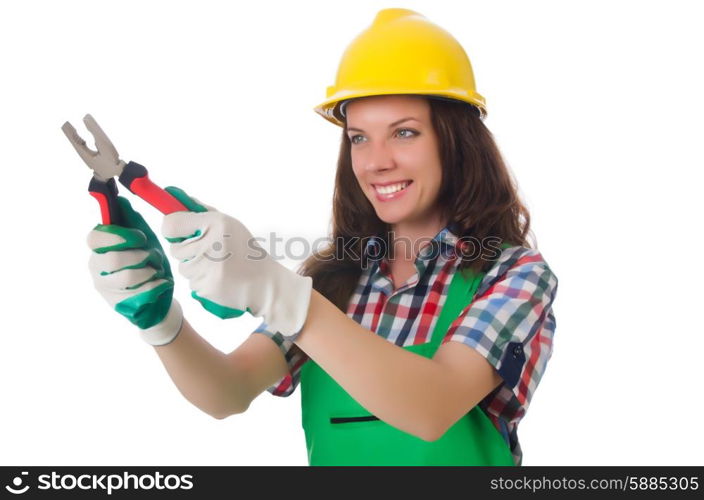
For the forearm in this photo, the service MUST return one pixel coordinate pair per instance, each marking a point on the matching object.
(402, 388)
(203, 374)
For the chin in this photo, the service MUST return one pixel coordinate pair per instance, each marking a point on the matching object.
(391, 218)
(392, 215)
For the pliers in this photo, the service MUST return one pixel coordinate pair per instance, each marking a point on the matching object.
(106, 164)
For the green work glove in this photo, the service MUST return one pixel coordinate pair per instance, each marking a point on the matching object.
(131, 272)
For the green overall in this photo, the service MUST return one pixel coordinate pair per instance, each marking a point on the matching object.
(339, 431)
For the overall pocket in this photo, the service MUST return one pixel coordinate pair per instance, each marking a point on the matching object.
(349, 420)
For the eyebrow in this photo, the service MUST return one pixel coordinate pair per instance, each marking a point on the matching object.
(390, 126)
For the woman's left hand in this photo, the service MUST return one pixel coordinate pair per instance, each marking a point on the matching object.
(229, 272)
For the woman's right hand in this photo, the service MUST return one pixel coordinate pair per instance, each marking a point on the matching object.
(131, 272)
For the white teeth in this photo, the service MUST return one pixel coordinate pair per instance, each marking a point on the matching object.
(391, 188)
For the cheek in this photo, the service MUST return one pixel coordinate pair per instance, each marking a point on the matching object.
(434, 168)
(432, 176)
(424, 164)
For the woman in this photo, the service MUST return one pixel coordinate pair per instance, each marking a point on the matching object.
(420, 334)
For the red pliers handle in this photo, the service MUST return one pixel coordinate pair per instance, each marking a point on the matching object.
(106, 194)
(106, 165)
(136, 178)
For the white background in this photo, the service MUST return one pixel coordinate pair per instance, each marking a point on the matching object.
(597, 107)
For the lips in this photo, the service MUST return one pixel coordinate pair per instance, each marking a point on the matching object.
(391, 190)
(390, 187)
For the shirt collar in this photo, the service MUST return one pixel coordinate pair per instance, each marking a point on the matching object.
(445, 238)
(445, 241)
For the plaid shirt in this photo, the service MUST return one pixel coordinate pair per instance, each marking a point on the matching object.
(510, 321)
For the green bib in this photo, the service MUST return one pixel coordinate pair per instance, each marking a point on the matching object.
(339, 431)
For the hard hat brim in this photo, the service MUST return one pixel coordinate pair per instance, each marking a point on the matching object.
(330, 108)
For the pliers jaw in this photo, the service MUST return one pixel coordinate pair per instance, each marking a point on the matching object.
(106, 165)
(105, 162)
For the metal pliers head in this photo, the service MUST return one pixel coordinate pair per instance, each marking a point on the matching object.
(106, 165)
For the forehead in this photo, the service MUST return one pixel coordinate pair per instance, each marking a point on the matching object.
(386, 108)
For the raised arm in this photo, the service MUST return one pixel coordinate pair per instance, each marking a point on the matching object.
(132, 274)
(418, 395)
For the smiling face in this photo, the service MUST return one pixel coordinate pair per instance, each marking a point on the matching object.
(395, 158)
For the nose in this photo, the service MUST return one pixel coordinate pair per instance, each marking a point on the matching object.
(378, 157)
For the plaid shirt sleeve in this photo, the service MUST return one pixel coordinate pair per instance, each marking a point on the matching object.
(295, 358)
(510, 322)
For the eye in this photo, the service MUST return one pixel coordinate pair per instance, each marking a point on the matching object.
(406, 133)
(356, 139)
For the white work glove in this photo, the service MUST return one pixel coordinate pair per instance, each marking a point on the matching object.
(229, 272)
(131, 272)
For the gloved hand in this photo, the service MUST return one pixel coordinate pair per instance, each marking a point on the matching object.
(133, 275)
(229, 272)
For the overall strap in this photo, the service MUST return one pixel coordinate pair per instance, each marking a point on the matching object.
(462, 289)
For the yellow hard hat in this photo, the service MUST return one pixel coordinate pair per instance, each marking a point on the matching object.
(402, 53)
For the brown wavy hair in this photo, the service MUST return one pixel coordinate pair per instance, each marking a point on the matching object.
(478, 198)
